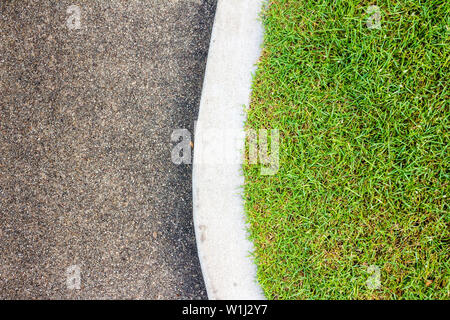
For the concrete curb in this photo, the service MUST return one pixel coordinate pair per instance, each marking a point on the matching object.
(219, 219)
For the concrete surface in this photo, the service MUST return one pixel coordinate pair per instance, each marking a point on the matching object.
(219, 216)
(86, 177)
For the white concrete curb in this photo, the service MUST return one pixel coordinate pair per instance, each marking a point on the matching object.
(219, 218)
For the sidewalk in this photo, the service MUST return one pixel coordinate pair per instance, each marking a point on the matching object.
(86, 178)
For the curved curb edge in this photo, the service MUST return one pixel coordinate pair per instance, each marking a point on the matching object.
(218, 207)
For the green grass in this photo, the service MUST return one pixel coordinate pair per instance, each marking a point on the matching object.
(363, 116)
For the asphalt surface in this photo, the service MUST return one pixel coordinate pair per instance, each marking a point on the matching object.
(86, 177)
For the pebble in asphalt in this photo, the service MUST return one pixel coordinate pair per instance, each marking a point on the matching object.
(87, 185)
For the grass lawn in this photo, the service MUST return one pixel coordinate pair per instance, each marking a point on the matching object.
(363, 116)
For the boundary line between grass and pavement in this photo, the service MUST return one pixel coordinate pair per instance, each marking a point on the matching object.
(223, 247)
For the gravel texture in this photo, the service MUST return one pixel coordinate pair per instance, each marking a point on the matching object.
(86, 176)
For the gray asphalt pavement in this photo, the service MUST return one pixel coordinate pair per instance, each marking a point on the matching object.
(91, 205)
